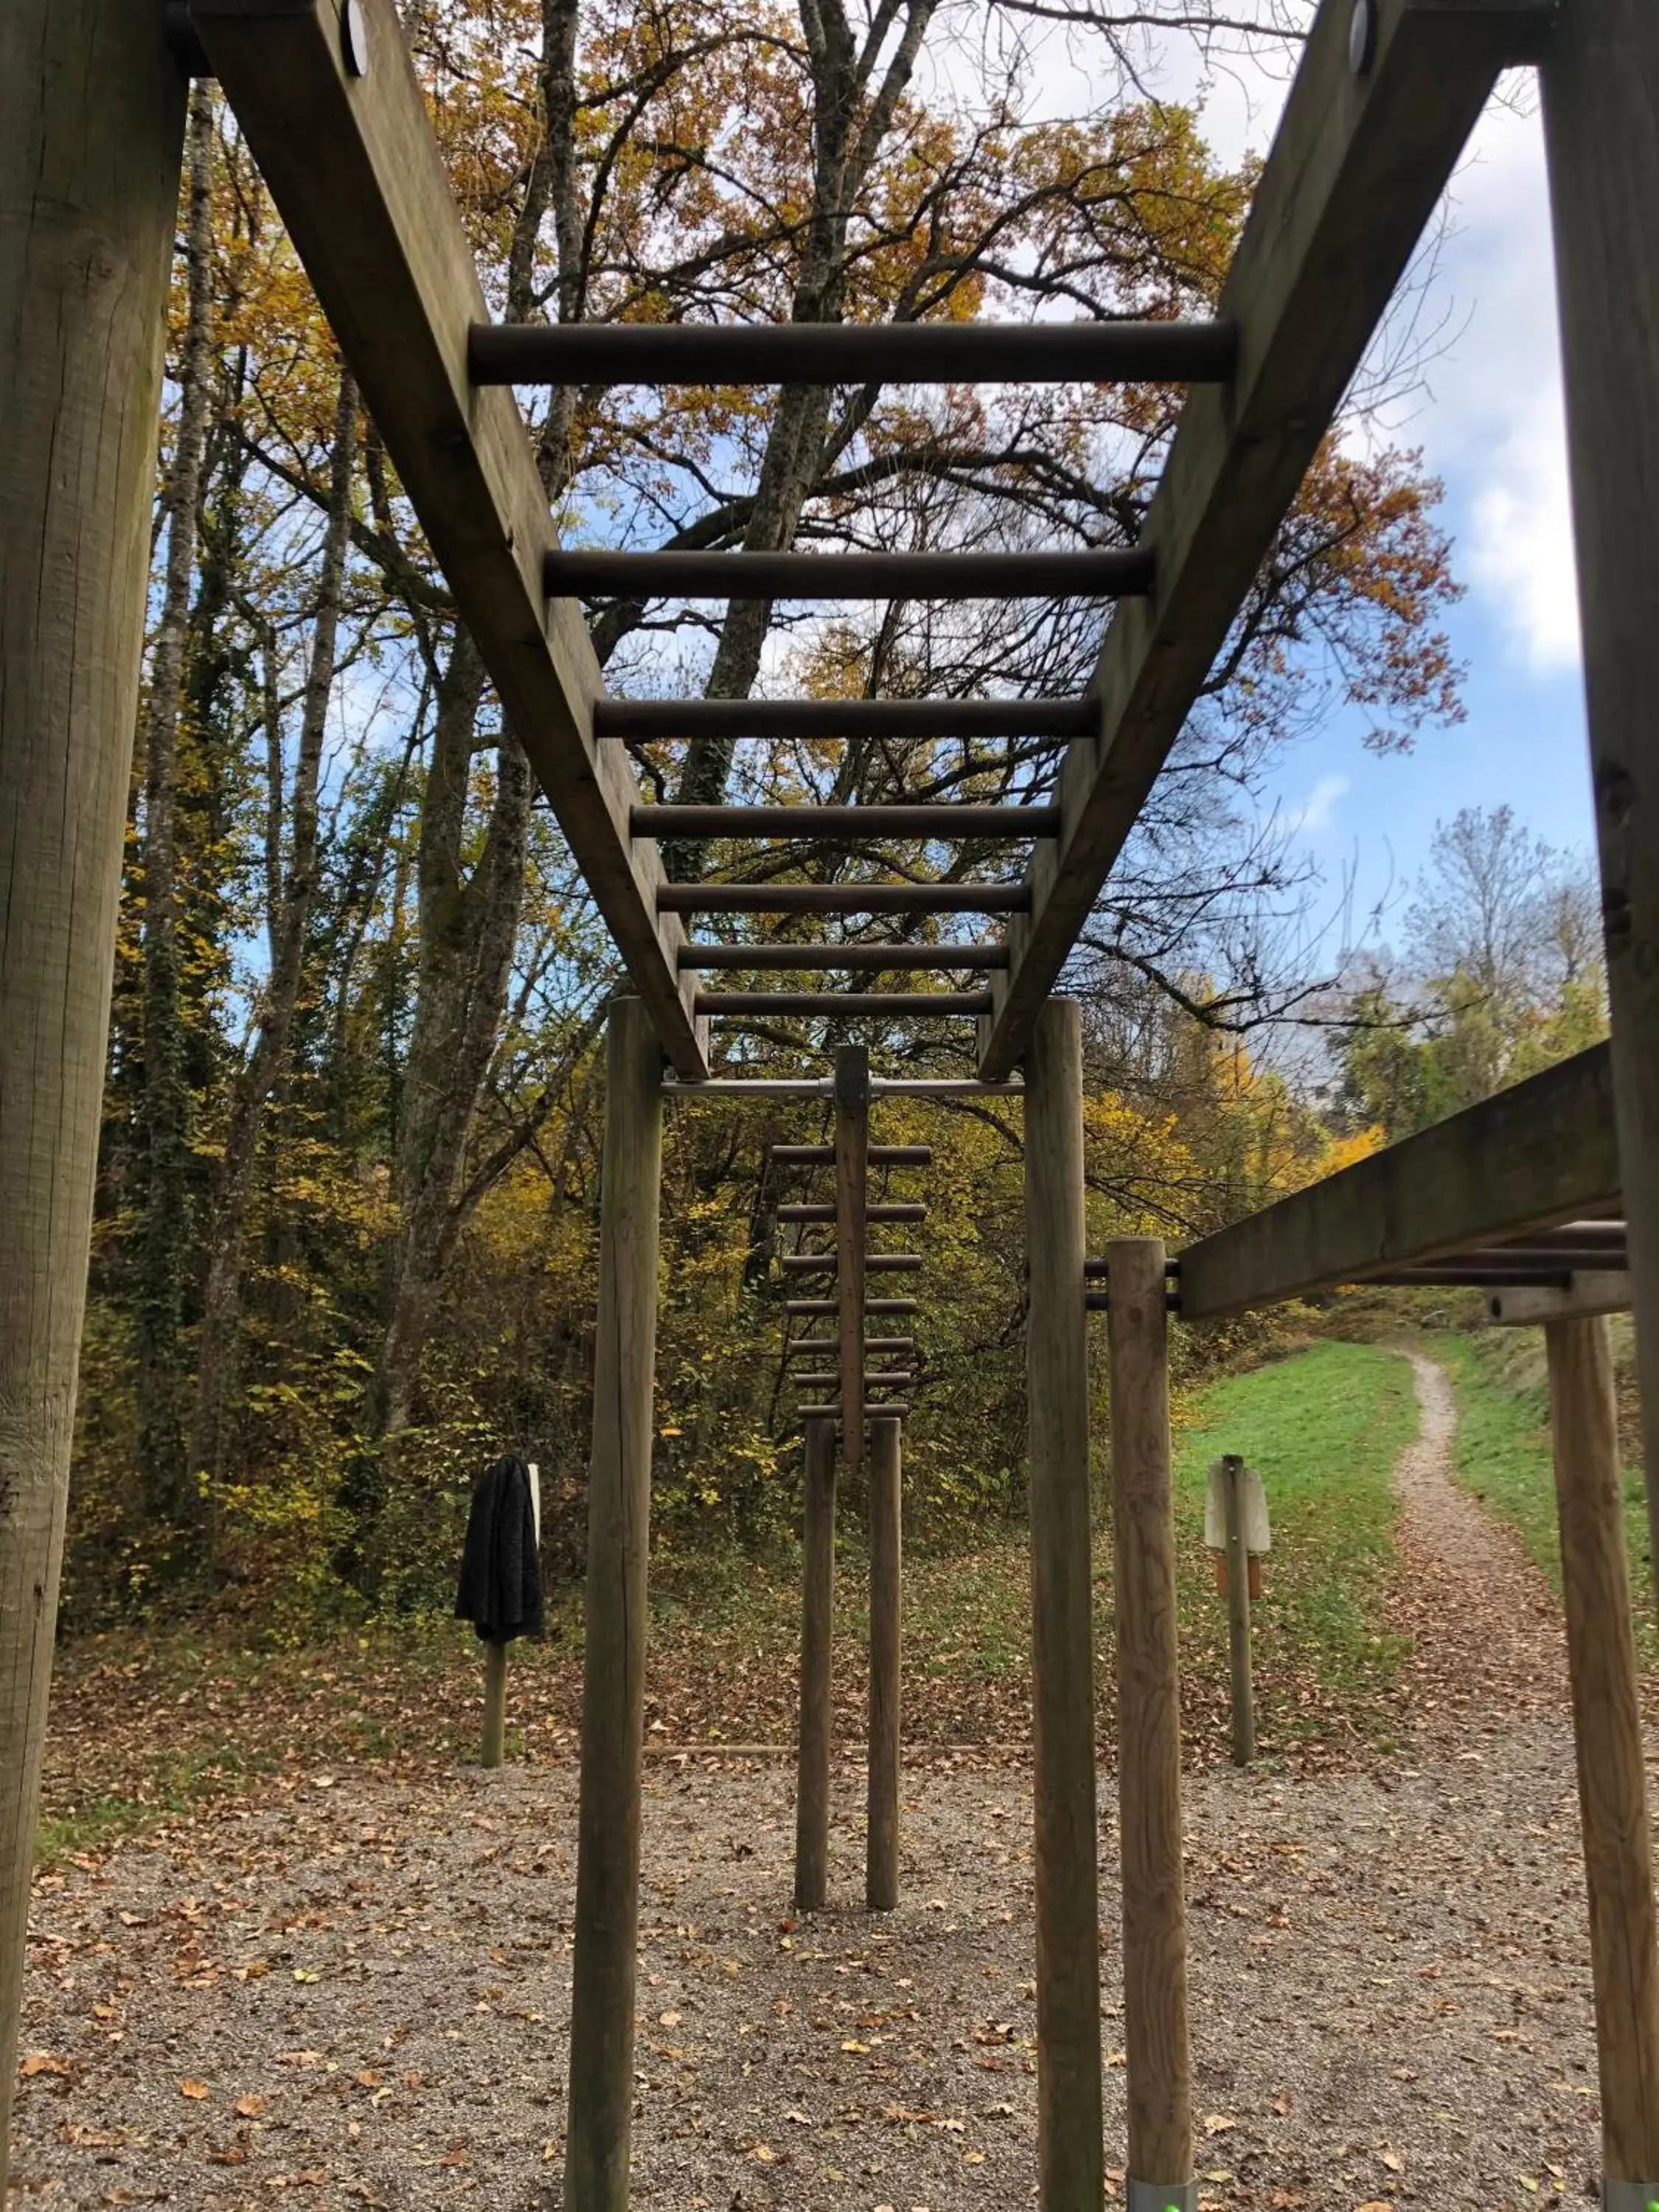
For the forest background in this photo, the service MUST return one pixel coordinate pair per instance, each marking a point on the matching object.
(346, 1240)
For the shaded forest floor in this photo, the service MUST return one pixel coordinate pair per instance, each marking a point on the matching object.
(350, 1986)
(148, 1726)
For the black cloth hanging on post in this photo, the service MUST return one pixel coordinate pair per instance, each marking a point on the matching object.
(501, 1591)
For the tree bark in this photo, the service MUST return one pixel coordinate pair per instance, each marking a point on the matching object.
(91, 130)
(290, 922)
(846, 143)
(468, 926)
(170, 1503)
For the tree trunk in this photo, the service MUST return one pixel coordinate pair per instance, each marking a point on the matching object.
(171, 1507)
(91, 128)
(846, 146)
(290, 923)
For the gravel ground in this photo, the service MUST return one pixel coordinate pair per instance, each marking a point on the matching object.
(356, 1993)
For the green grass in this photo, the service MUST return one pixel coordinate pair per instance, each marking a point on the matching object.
(1504, 1458)
(1323, 1429)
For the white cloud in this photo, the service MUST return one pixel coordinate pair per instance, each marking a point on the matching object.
(1492, 423)
(1318, 809)
(1520, 551)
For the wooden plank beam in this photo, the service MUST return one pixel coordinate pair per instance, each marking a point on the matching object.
(1543, 1152)
(357, 177)
(1587, 1296)
(1355, 171)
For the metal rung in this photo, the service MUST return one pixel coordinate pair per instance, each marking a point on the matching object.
(876, 959)
(1110, 573)
(833, 1412)
(817, 823)
(647, 720)
(812, 1345)
(852, 353)
(829, 1381)
(875, 1263)
(879, 1156)
(908, 1209)
(847, 1003)
(818, 1309)
(843, 898)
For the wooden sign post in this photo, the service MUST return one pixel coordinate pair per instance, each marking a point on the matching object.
(1235, 1529)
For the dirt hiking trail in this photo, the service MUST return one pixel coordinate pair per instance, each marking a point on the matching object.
(354, 1994)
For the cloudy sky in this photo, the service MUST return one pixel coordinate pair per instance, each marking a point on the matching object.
(1489, 422)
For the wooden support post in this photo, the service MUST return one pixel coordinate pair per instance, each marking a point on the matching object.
(1071, 2162)
(613, 1674)
(1607, 1737)
(92, 120)
(495, 1703)
(1149, 1731)
(816, 1705)
(1601, 97)
(1238, 1613)
(852, 1185)
(881, 1873)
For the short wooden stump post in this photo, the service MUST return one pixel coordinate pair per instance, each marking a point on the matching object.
(816, 1631)
(613, 1672)
(1607, 1740)
(494, 1704)
(1071, 2149)
(881, 1873)
(1160, 2149)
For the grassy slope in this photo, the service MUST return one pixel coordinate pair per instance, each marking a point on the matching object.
(1503, 1453)
(145, 1726)
(1323, 1428)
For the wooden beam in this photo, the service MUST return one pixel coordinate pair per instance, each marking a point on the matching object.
(1544, 1150)
(852, 1195)
(92, 123)
(1155, 2030)
(881, 1856)
(1070, 2151)
(816, 1701)
(1594, 1292)
(355, 169)
(601, 2102)
(1357, 165)
(1600, 99)
(1606, 1715)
